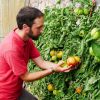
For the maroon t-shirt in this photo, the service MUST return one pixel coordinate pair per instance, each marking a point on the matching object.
(14, 56)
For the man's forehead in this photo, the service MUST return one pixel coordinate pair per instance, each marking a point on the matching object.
(39, 21)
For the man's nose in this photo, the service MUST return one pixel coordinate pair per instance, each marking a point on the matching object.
(41, 30)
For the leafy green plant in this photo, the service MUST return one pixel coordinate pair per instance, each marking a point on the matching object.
(71, 33)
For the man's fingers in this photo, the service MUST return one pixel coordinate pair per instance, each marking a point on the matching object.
(60, 63)
(66, 69)
(71, 68)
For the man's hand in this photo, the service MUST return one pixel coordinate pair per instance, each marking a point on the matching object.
(58, 68)
(50, 65)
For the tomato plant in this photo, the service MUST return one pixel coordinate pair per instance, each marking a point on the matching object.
(70, 33)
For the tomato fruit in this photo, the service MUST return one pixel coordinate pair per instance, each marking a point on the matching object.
(52, 53)
(54, 58)
(86, 11)
(56, 92)
(78, 90)
(82, 33)
(95, 33)
(50, 87)
(59, 54)
(58, 1)
(78, 11)
(77, 58)
(71, 61)
(97, 59)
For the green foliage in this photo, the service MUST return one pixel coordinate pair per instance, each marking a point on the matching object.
(61, 32)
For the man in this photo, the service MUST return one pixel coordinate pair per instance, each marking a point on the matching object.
(16, 50)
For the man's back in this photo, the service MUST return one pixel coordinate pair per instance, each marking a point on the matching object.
(10, 83)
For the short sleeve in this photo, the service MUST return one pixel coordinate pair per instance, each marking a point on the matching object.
(16, 62)
(34, 53)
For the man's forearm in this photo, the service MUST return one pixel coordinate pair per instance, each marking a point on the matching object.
(29, 77)
(47, 65)
(43, 64)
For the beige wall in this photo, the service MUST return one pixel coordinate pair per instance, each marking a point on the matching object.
(8, 11)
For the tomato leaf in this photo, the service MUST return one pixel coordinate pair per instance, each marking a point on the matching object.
(96, 49)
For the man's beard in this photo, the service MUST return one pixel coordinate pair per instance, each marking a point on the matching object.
(30, 35)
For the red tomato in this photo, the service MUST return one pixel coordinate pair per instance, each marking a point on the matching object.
(71, 61)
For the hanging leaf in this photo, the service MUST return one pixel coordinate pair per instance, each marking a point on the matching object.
(96, 49)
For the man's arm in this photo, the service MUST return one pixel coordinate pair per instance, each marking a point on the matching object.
(49, 65)
(49, 69)
(43, 64)
(29, 77)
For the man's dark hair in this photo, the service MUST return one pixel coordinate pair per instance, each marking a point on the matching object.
(27, 15)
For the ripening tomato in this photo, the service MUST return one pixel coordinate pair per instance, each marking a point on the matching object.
(71, 61)
(78, 90)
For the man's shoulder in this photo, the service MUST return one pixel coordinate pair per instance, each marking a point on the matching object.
(31, 42)
(8, 43)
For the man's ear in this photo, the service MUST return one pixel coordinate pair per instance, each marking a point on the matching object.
(26, 28)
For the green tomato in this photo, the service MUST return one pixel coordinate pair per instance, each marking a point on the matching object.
(81, 34)
(80, 12)
(86, 11)
(56, 92)
(97, 59)
(91, 51)
(95, 33)
(54, 58)
(76, 10)
(58, 1)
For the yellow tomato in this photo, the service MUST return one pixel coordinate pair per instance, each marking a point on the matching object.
(77, 58)
(60, 54)
(52, 53)
(50, 87)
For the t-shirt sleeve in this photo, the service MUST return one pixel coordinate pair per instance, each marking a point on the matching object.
(16, 62)
(34, 53)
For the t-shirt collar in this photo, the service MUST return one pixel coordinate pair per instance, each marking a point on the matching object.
(19, 39)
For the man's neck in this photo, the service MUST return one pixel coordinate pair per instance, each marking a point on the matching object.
(21, 34)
